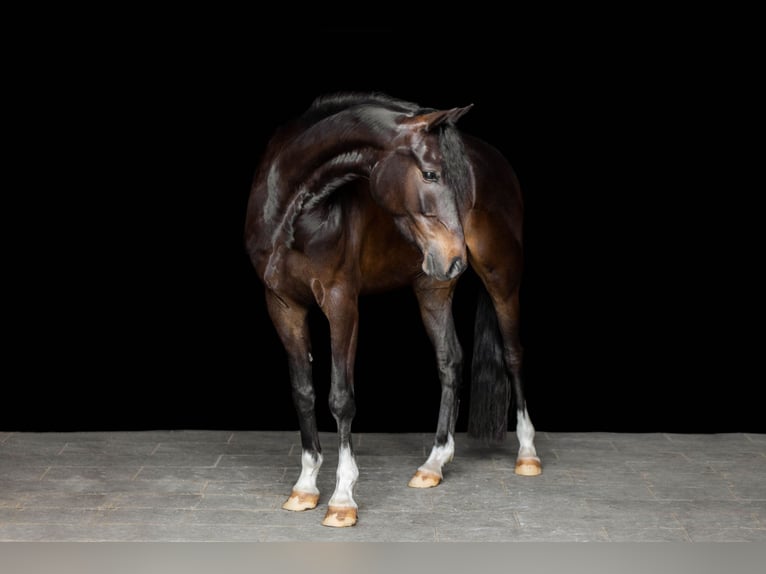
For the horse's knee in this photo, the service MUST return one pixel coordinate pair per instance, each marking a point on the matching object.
(304, 398)
(450, 361)
(449, 377)
(342, 405)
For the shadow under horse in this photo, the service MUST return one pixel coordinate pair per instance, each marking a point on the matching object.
(366, 193)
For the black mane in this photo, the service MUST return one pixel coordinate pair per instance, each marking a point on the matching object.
(456, 170)
(329, 104)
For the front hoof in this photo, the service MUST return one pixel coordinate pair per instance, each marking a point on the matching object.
(301, 501)
(424, 479)
(529, 466)
(339, 517)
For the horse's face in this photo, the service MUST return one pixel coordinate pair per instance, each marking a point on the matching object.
(410, 183)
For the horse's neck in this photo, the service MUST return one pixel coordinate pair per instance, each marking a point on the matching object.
(326, 154)
(311, 165)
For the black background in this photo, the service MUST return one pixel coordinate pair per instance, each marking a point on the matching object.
(132, 304)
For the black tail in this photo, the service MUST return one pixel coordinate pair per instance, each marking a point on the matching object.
(490, 385)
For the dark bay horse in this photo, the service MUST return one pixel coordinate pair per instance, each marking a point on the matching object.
(365, 193)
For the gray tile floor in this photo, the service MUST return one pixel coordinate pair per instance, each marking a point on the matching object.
(228, 486)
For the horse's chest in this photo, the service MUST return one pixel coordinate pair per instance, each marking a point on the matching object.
(387, 262)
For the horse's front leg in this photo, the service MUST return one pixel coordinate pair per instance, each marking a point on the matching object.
(292, 327)
(340, 306)
(435, 301)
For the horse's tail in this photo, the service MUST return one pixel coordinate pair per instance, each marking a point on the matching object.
(490, 397)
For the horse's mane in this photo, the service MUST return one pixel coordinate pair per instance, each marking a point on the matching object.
(329, 104)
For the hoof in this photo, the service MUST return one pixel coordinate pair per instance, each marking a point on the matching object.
(528, 466)
(424, 479)
(339, 517)
(301, 501)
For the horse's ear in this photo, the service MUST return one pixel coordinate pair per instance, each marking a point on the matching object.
(426, 122)
(457, 113)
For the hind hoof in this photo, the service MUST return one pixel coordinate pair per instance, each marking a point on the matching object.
(339, 517)
(424, 479)
(528, 466)
(301, 501)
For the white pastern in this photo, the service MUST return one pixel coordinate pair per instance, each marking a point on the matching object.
(307, 481)
(345, 480)
(526, 434)
(440, 455)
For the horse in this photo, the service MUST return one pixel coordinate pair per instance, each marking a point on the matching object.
(365, 193)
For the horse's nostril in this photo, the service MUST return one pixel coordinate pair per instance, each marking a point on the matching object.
(455, 268)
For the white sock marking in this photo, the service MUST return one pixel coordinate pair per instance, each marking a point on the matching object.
(440, 455)
(526, 434)
(307, 481)
(345, 480)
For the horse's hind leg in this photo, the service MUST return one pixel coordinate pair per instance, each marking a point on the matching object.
(500, 271)
(507, 308)
(292, 327)
(436, 311)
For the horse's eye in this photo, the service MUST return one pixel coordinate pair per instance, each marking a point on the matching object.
(430, 176)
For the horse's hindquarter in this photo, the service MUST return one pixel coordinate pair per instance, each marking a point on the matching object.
(496, 185)
(493, 227)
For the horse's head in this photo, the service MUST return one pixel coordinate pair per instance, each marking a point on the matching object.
(423, 183)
